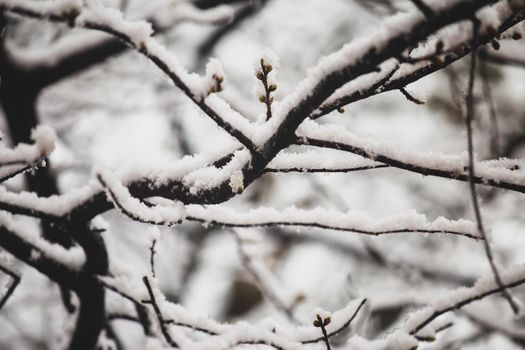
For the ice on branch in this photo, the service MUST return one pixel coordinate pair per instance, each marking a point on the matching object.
(330, 219)
(135, 209)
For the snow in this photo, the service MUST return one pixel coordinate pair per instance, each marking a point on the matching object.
(44, 138)
(431, 160)
(455, 299)
(133, 207)
(331, 219)
(73, 258)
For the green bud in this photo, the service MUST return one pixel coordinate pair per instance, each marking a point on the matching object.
(259, 75)
(272, 87)
(262, 99)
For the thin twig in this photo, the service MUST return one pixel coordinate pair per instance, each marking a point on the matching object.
(162, 323)
(471, 172)
(11, 286)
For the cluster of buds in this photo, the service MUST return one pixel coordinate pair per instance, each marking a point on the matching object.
(264, 73)
(321, 322)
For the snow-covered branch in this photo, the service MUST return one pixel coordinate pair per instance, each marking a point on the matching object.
(357, 222)
(490, 173)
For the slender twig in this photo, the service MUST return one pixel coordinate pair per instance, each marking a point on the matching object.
(162, 323)
(11, 286)
(410, 97)
(326, 226)
(324, 170)
(471, 171)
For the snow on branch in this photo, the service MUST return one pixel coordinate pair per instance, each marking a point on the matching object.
(427, 163)
(72, 258)
(442, 49)
(357, 222)
(314, 161)
(419, 321)
(134, 208)
(138, 34)
(24, 157)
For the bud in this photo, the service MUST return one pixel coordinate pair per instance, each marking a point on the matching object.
(516, 36)
(273, 87)
(327, 321)
(495, 45)
(341, 110)
(262, 99)
(259, 75)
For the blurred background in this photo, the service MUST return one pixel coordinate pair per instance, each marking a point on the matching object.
(122, 113)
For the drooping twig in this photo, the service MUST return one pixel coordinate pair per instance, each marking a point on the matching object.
(472, 174)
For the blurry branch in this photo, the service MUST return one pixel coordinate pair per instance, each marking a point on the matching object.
(472, 173)
(458, 299)
(11, 286)
(251, 8)
(495, 143)
(517, 335)
(127, 32)
(267, 282)
(424, 8)
(498, 58)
